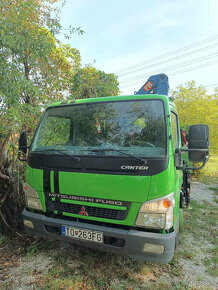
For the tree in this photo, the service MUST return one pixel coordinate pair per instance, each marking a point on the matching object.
(89, 82)
(35, 68)
(195, 106)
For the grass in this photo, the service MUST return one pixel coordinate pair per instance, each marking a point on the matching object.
(209, 174)
(215, 189)
(211, 264)
(211, 167)
(31, 250)
(201, 222)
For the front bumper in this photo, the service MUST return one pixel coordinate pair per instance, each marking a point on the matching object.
(134, 240)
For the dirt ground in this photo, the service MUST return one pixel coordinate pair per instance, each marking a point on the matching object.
(32, 263)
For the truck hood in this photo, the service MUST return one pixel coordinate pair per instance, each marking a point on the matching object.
(115, 187)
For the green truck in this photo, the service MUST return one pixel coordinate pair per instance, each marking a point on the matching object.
(109, 173)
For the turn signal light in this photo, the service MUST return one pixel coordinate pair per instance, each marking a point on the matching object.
(167, 203)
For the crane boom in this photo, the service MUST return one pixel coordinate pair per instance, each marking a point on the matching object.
(157, 84)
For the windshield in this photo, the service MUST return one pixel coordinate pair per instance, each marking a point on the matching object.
(136, 127)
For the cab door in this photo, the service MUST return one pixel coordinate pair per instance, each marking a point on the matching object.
(176, 143)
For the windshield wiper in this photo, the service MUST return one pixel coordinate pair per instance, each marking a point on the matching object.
(63, 152)
(122, 151)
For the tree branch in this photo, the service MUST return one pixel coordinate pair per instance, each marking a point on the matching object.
(5, 177)
(7, 225)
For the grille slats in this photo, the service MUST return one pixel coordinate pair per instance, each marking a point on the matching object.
(106, 213)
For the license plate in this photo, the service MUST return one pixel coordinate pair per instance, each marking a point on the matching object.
(81, 234)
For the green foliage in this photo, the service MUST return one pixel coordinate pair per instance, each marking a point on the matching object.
(2, 239)
(89, 82)
(35, 68)
(31, 250)
(195, 106)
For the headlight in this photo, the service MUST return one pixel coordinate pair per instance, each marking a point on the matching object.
(157, 213)
(33, 203)
(32, 198)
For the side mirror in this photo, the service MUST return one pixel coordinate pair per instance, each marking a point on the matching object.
(22, 146)
(198, 139)
(23, 142)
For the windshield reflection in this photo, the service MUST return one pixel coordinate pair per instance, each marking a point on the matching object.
(138, 127)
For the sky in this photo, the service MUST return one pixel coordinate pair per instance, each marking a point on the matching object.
(123, 33)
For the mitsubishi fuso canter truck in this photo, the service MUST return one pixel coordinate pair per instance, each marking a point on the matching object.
(110, 173)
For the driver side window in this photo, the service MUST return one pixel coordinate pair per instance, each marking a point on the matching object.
(174, 130)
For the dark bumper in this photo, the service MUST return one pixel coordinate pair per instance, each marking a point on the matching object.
(134, 240)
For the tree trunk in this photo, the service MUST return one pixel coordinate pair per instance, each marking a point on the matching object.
(8, 200)
(27, 75)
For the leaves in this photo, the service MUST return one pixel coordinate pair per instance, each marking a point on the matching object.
(35, 67)
(89, 82)
(195, 106)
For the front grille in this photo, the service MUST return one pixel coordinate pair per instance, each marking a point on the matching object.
(105, 213)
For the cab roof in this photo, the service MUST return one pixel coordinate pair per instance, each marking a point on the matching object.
(112, 98)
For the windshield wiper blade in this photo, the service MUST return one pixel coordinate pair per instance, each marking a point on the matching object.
(122, 151)
(63, 152)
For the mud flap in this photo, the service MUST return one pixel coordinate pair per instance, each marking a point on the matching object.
(178, 229)
(181, 226)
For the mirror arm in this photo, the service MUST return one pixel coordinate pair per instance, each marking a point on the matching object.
(20, 158)
(178, 150)
(186, 149)
(20, 153)
(27, 147)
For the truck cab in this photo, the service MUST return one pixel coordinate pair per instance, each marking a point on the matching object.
(107, 173)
